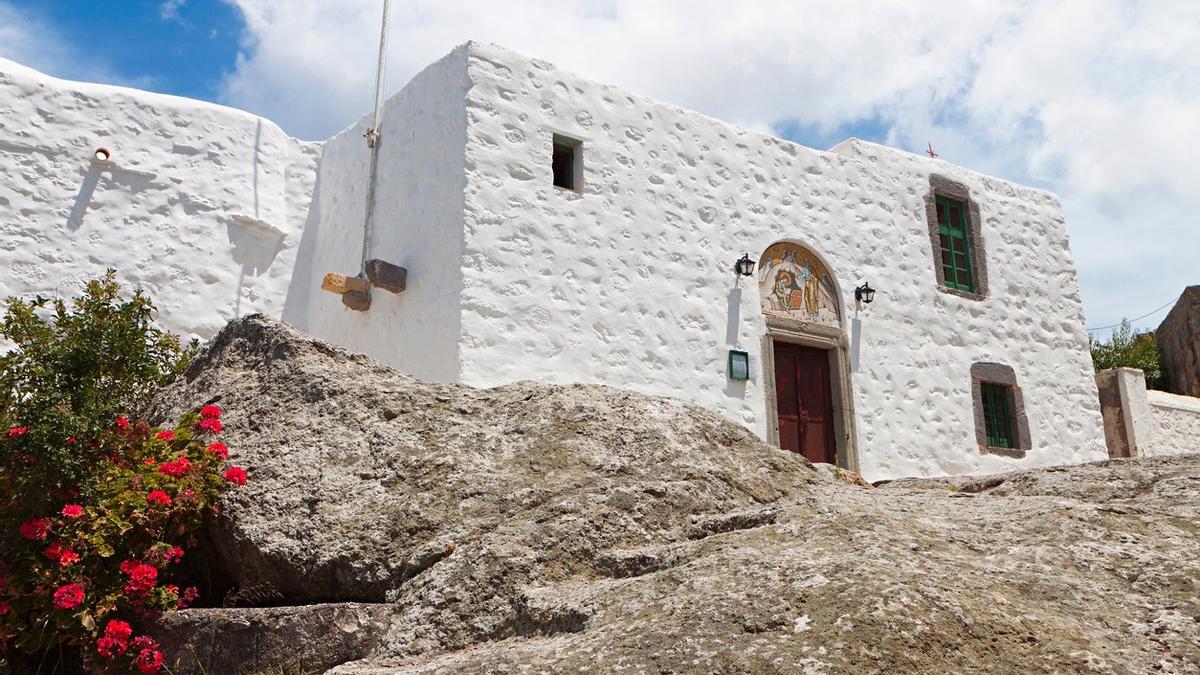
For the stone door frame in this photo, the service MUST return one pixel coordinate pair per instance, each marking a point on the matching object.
(834, 341)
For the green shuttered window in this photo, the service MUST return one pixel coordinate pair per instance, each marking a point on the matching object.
(997, 415)
(955, 244)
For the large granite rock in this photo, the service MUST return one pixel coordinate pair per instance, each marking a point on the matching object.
(571, 529)
(1178, 339)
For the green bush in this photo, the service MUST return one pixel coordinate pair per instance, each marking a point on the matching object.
(77, 366)
(96, 511)
(1129, 349)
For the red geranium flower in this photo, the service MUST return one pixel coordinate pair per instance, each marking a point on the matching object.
(68, 557)
(115, 640)
(110, 647)
(64, 556)
(142, 577)
(118, 630)
(53, 551)
(15, 432)
(187, 597)
(159, 497)
(35, 529)
(72, 511)
(210, 412)
(165, 435)
(174, 554)
(236, 475)
(4, 607)
(211, 424)
(149, 661)
(122, 423)
(219, 450)
(175, 469)
(68, 596)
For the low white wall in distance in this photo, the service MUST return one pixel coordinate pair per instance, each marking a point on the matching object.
(1176, 424)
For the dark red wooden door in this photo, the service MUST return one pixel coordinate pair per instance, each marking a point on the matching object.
(805, 401)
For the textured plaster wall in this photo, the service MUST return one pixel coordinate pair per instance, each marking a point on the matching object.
(1176, 421)
(628, 283)
(201, 205)
(216, 212)
(418, 225)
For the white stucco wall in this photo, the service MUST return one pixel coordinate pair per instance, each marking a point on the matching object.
(418, 225)
(200, 205)
(1176, 424)
(216, 212)
(629, 282)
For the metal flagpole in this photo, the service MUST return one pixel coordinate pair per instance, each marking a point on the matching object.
(372, 137)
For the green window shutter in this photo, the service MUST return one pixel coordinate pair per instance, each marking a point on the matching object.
(997, 415)
(955, 244)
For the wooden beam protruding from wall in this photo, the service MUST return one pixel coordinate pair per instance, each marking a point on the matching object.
(387, 276)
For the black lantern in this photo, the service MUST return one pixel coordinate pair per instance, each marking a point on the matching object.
(744, 266)
(864, 294)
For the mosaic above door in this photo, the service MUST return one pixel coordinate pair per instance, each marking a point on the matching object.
(793, 283)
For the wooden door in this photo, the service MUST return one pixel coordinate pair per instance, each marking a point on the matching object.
(802, 386)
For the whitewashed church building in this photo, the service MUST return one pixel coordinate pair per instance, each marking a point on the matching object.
(558, 229)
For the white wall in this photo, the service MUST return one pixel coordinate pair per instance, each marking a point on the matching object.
(1176, 424)
(629, 283)
(418, 225)
(201, 205)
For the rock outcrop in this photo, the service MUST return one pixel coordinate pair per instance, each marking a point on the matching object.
(584, 528)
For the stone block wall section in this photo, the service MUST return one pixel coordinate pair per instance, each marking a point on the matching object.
(1178, 339)
(1144, 423)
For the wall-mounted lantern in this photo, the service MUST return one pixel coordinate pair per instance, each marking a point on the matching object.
(864, 294)
(739, 365)
(102, 154)
(744, 266)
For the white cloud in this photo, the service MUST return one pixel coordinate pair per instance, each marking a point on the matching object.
(29, 41)
(169, 9)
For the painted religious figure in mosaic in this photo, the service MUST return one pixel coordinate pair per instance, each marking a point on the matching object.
(792, 282)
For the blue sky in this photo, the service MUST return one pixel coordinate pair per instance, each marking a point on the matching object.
(1095, 100)
(182, 49)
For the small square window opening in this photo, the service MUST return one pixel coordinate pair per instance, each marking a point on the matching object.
(567, 163)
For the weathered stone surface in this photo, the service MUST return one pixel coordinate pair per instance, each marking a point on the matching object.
(584, 529)
(1179, 344)
(361, 478)
(249, 640)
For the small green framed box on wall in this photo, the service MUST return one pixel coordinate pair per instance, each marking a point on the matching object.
(739, 365)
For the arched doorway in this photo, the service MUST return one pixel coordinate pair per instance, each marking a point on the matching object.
(805, 356)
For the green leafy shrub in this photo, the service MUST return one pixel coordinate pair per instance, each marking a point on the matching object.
(96, 512)
(1129, 349)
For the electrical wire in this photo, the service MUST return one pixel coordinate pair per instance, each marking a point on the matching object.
(1136, 318)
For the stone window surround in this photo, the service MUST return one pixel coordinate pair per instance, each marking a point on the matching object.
(996, 373)
(944, 187)
(836, 342)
